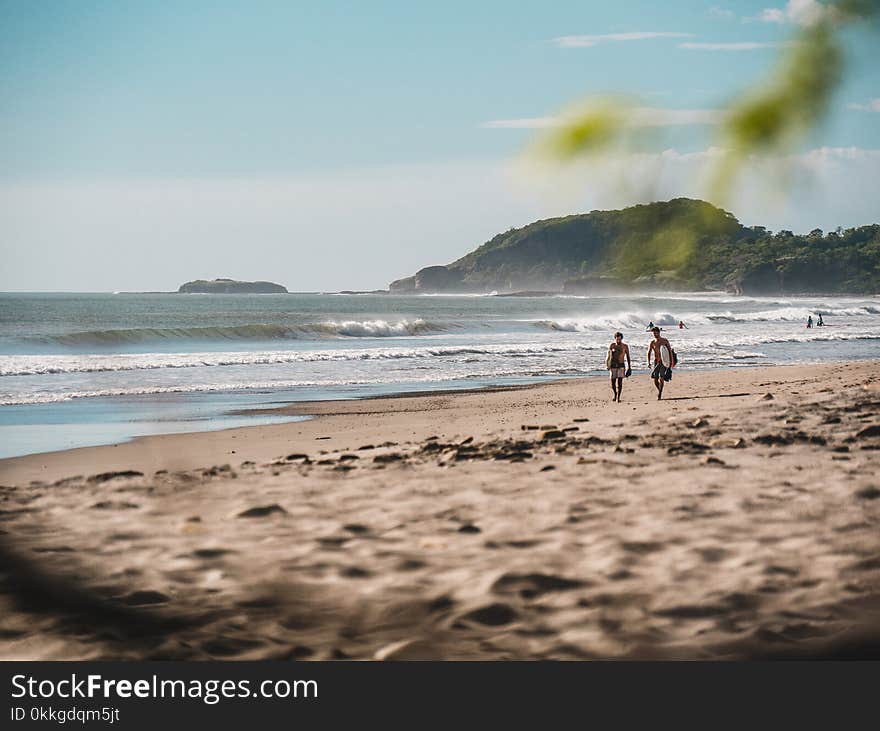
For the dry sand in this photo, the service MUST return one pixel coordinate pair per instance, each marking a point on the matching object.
(718, 523)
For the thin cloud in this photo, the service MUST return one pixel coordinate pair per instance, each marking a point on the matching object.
(736, 46)
(799, 12)
(592, 40)
(873, 105)
(722, 13)
(770, 15)
(845, 153)
(817, 154)
(640, 117)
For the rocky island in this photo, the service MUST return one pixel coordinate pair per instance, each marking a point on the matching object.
(677, 244)
(230, 286)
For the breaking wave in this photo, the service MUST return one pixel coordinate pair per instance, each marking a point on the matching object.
(623, 321)
(376, 328)
(254, 332)
(787, 314)
(44, 397)
(639, 320)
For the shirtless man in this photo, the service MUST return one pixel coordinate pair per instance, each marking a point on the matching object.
(620, 364)
(659, 369)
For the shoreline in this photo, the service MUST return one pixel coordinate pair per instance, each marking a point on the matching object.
(198, 449)
(56, 464)
(42, 466)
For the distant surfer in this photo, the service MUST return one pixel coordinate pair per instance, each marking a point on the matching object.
(810, 321)
(650, 326)
(618, 364)
(682, 326)
(820, 322)
(660, 351)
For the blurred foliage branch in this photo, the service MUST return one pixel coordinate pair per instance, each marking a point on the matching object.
(771, 117)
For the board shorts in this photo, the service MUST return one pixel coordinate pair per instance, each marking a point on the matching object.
(617, 372)
(661, 371)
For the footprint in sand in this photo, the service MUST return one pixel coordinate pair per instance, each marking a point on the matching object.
(145, 597)
(210, 553)
(534, 585)
(493, 615)
(262, 511)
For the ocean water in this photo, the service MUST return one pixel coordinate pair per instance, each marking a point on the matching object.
(82, 369)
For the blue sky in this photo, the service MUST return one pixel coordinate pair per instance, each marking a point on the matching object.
(286, 130)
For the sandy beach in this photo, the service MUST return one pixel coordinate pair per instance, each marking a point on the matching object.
(737, 518)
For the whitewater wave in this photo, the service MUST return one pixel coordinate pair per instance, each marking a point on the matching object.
(251, 332)
(638, 320)
(7, 399)
(732, 345)
(376, 328)
(38, 365)
(590, 340)
(454, 364)
(49, 397)
(785, 314)
(623, 321)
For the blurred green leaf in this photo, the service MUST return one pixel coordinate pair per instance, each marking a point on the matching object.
(774, 117)
(770, 118)
(589, 129)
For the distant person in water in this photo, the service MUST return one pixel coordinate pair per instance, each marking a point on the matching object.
(660, 374)
(682, 326)
(650, 326)
(810, 321)
(820, 322)
(619, 365)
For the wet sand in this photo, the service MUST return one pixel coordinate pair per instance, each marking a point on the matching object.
(739, 517)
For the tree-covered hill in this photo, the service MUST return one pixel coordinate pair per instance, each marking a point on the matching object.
(681, 243)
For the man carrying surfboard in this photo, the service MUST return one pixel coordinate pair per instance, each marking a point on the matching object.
(618, 364)
(660, 351)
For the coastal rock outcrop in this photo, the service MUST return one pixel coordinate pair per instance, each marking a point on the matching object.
(230, 286)
(432, 279)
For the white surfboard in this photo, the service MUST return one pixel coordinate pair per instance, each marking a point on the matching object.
(665, 357)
